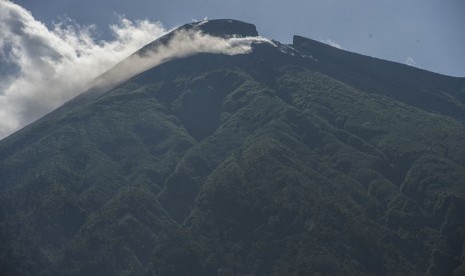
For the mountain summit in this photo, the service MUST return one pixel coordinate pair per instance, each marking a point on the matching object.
(223, 28)
(241, 156)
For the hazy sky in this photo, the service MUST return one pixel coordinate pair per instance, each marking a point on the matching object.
(429, 34)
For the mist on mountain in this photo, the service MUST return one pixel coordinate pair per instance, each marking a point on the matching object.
(56, 65)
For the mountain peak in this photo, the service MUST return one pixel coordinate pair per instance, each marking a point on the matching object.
(223, 28)
(188, 159)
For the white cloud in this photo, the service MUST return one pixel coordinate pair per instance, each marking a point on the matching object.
(47, 67)
(41, 68)
(182, 44)
(332, 43)
(410, 61)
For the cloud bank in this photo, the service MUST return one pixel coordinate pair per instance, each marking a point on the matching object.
(41, 68)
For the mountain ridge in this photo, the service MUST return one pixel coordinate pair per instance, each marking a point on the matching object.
(453, 96)
(243, 29)
(430, 82)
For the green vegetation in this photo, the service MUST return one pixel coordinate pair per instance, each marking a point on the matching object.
(259, 164)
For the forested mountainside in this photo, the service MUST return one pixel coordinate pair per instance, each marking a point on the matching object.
(297, 159)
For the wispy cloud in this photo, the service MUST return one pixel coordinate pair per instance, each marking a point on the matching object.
(332, 43)
(410, 61)
(182, 44)
(41, 68)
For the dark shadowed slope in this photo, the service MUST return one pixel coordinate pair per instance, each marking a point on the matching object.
(269, 163)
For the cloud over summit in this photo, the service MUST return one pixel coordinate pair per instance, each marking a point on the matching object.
(182, 44)
(41, 67)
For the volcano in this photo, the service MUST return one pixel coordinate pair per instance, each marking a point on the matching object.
(282, 159)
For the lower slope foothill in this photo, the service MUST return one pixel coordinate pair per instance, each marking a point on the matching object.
(222, 165)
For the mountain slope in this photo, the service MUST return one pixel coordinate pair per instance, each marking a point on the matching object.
(420, 88)
(267, 163)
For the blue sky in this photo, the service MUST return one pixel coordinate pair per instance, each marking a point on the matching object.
(426, 33)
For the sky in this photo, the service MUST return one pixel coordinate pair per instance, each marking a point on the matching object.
(426, 33)
(50, 50)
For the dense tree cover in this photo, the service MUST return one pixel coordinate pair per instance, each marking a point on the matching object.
(270, 163)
